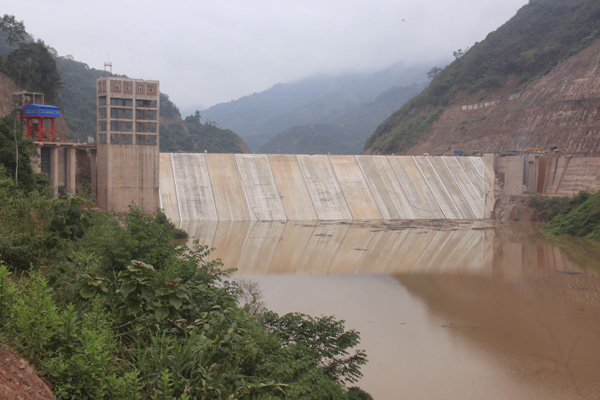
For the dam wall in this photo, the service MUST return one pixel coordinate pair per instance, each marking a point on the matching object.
(276, 187)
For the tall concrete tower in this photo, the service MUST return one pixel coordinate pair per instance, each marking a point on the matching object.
(127, 141)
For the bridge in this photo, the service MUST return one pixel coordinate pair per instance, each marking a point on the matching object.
(283, 187)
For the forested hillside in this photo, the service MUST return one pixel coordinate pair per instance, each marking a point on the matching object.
(343, 133)
(191, 136)
(318, 100)
(77, 97)
(506, 65)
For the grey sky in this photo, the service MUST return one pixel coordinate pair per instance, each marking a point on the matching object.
(205, 53)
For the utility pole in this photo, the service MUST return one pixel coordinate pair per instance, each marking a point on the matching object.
(15, 108)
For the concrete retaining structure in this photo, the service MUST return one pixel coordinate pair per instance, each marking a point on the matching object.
(260, 187)
(550, 175)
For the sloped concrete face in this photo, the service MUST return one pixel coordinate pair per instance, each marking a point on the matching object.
(337, 247)
(259, 187)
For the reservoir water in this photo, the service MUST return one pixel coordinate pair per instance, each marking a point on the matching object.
(446, 310)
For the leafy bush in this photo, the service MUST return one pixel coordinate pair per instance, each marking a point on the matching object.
(100, 327)
(580, 218)
(327, 340)
(355, 393)
(549, 207)
(84, 358)
(34, 318)
(7, 294)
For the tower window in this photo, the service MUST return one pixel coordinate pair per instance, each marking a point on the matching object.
(117, 85)
(150, 88)
(140, 87)
(120, 138)
(127, 86)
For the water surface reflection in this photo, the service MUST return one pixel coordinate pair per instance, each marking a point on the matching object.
(445, 310)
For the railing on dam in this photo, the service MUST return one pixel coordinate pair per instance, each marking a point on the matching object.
(275, 187)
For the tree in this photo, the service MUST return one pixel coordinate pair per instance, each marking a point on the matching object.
(33, 67)
(433, 72)
(355, 393)
(326, 339)
(458, 53)
(27, 179)
(15, 30)
(168, 109)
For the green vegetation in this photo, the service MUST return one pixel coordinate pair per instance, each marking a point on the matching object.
(12, 144)
(550, 206)
(542, 34)
(28, 63)
(569, 219)
(402, 130)
(191, 136)
(109, 307)
(32, 67)
(579, 216)
(12, 33)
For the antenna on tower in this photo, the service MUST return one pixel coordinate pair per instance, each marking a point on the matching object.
(109, 65)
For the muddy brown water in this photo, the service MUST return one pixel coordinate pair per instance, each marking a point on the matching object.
(445, 310)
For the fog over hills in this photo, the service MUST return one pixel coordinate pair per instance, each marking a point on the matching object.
(319, 100)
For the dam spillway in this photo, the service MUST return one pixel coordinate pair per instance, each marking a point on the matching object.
(284, 187)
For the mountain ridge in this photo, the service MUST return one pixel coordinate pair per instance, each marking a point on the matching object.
(515, 60)
(320, 99)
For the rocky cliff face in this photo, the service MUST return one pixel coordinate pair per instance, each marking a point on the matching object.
(560, 110)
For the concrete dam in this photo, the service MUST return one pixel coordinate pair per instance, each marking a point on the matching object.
(276, 187)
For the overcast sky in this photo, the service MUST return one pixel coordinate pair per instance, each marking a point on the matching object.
(206, 53)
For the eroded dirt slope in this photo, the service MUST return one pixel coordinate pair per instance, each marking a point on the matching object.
(18, 380)
(561, 109)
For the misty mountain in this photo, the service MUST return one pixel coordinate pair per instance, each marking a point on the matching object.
(320, 99)
(343, 132)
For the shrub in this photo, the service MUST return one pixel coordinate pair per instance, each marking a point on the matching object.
(35, 319)
(580, 218)
(7, 294)
(84, 358)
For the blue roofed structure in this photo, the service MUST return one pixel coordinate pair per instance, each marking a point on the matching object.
(39, 121)
(41, 110)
